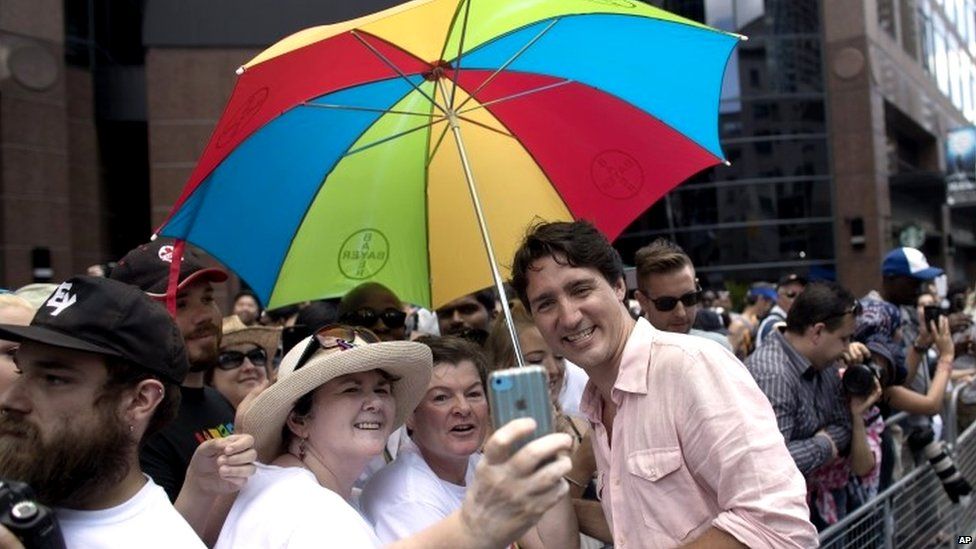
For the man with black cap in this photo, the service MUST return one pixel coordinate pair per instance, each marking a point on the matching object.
(203, 414)
(787, 290)
(100, 366)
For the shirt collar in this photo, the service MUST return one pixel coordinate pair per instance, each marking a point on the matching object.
(631, 375)
(800, 364)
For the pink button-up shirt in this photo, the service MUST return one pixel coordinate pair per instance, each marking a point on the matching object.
(694, 445)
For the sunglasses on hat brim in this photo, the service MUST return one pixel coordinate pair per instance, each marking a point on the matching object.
(334, 336)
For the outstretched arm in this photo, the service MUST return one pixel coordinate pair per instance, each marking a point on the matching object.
(509, 494)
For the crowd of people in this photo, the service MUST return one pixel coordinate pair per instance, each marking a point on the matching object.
(141, 414)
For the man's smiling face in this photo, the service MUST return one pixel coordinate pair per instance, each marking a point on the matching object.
(579, 314)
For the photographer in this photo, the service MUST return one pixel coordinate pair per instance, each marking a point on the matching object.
(884, 354)
(844, 484)
(796, 369)
(921, 440)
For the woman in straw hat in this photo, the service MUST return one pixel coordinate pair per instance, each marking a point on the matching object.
(338, 396)
(246, 359)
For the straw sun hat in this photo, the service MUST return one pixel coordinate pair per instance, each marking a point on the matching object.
(408, 363)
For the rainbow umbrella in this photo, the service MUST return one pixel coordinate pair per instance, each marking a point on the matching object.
(413, 146)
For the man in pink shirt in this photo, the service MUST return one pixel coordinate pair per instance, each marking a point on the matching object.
(687, 448)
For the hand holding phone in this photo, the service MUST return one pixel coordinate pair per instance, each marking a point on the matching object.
(521, 392)
(932, 314)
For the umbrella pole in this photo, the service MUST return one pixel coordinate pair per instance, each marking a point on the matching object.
(495, 274)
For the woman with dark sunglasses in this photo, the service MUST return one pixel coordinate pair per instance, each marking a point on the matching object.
(245, 360)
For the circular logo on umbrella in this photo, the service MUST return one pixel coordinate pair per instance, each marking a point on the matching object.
(363, 254)
(244, 114)
(617, 174)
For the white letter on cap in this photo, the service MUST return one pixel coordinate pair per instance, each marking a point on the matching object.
(61, 299)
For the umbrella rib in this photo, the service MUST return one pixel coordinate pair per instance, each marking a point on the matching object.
(517, 95)
(437, 145)
(450, 27)
(390, 64)
(367, 109)
(505, 65)
(457, 62)
(395, 136)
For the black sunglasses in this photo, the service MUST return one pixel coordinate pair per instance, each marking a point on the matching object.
(334, 336)
(668, 303)
(855, 310)
(230, 360)
(366, 317)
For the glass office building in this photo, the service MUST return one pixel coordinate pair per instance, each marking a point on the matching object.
(784, 205)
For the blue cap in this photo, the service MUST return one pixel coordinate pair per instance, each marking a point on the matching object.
(766, 292)
(908, 262)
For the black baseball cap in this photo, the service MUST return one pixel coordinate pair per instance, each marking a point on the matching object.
(107, 317)
(791, 279)
(147, 267)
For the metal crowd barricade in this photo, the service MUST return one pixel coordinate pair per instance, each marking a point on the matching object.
(914, 511)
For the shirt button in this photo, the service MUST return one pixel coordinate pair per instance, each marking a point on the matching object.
(616, 482)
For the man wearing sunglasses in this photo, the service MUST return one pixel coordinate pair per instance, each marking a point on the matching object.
(374, 306)
(797, 370)
(668, 291)
(787, 290)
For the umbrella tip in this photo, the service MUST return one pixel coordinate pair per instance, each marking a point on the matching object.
(153, 237)
(727, 163)
(240, 70)
(742, 37)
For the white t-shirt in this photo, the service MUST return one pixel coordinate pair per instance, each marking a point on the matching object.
(406, 496)
(146, 520)
(572, 392)
(287, 507)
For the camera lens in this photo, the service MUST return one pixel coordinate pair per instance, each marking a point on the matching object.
(858, 380)
(23, 511)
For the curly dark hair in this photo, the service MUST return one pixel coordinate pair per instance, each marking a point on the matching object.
(576, 243)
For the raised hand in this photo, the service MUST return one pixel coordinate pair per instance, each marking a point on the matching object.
(511, 492)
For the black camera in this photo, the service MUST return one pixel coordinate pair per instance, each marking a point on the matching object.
(859, 379)
(34, 524)
(932, 313)
(955, 485)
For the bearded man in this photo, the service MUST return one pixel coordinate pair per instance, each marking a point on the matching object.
(100, 369)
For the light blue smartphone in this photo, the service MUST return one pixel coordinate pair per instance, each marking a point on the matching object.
(521, 392)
